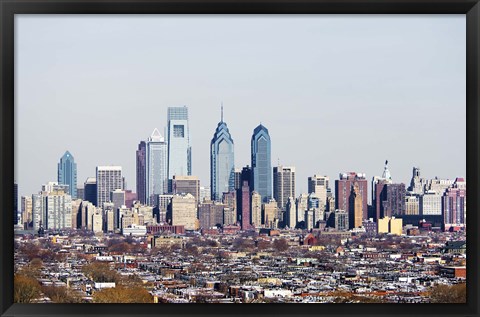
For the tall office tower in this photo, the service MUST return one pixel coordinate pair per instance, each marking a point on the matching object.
(238, 179)
(205, 193)
(130, 197)
(186, 184)
(417, 184)
(430, 204)
(90, 190)
(454, 204)
(179, 149)
(270, 211)
(15, 204)
(109, 178)
(67, 173)
(291, 213)
(230, 200)
(222, 170)
(315, 204)
(378, 191)
(343, 190)
(338, 219)
(183, 212)
(256, 207)
(80, 193)
(87, 209)
(319, 185)
(117, 199)
(355, 210)
(229, 216)
(243, 206)
(97, 221)
(283, 184)
(301, 206)
(156, 167)
(247, 176)
(261, 162)
(412, 206)
(26, 211)
(76, 212)
(109, 216)
(163, 204)
(210, 214)
(141, 170)
(394, 202)
(52, 207)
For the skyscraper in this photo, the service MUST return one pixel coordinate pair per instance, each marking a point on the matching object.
(186, 184)
(319, 186)
(52, 207)
(261, 162)
(243, 208)
(109, 178)
(283, 184)
(344, 189)
(141, 169)
(156, 167)
(256, 208)
(222, 169)
(179, 149)
(67, 173)
(454, 204)
(90, 190)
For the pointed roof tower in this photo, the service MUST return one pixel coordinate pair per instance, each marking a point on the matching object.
(386, 172)
(156, 136)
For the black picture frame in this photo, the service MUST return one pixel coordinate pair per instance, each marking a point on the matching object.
(8, 8)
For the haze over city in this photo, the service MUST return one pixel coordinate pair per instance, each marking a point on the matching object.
(337, 93)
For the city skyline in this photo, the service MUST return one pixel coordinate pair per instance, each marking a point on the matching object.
(305, 109)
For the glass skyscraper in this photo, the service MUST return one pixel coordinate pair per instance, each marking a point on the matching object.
(67, 173)
(222, 170)
(178, 139)
(141, 168)
(261, 162)
(156, 167)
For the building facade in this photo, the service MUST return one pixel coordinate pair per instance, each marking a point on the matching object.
(344, 189)
(319, 186)
(67, 173)
(178, 138)
(156, 167)
(183, 211)
(222, 160)
(261, 162)
(283, 185)
(186, 184)
(141, 169)
(109, 178)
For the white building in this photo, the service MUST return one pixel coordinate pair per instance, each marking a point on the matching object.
(156, 167)
(184, 211)
(430, 203)
(283, 184)
(109, 178)
(52, 207)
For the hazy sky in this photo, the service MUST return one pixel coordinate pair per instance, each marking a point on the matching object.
(337, 93)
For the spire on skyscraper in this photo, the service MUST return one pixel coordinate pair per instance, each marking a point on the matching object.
(221, 113)
(386, 172)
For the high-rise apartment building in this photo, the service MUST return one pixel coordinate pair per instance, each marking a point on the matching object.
(283, 184)
(270, 211)
(222, 169)
(109, 178)
(256, 208)
(52, 207)
(430, 204)
(344, 189)
(67, 173)
(261, 162)
(141, 172)
(412, 207)
(356, 207)
(210, 214)
(454, 204)
(301, 206)
(156, 167)
(394, 202)
(178, 138)
(205, 193)
(243, 203)
(26, 210)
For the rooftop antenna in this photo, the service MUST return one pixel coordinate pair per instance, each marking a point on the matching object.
(222, 112)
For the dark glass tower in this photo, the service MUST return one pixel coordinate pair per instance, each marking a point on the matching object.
(141, 168)
(261, 162)
(222, 171)
(67, 173)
